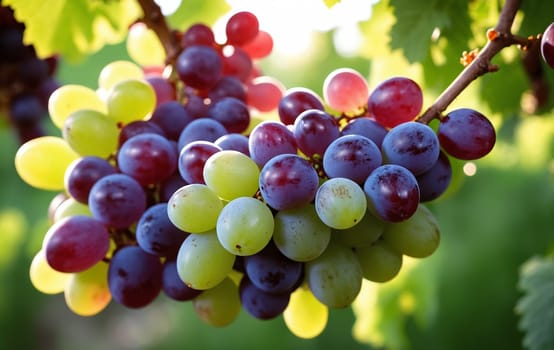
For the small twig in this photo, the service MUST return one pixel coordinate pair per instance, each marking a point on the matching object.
(499, 38)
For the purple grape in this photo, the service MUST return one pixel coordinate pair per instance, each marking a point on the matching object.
(314, 130)
(156, 234)
(232, 113)
(296, 101)
(351, 156)
(138, 127)
(288, 181)
(547, 45)
(435, 181)
(170, 185)
(366, 127)
(392, 192)
(203, 129)
(76, 243)
(196, 106)
(199, 66)
(173, 286)
(26, 110)
(271, 271)
(83, 173)
(466, 134)
(269, 139)
(236, 63)
(228, 87)
(192, 159)
(164, 89)
(148, 158)
(172, 118)
(198, 34)
(134, 277)
(233, 141)
(413, 145)
(117, 200)
(260, 304)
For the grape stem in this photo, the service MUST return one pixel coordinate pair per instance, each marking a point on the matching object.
(499, 38)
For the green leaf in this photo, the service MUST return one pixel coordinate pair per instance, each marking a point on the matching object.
(330, 3)
(535, 306)
(74, 28)
(197, 11)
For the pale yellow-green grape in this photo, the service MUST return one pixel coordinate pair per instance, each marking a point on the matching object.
(41, 162)
(418, 237)
(44, 278)
(91, 133)
(144, 47)
(231, 174)
(87, 292)
(130, 100)
(117, 71)
(245, 226)
(202, 262)
(340, 203)
(70, 98)
(220, 305)
(194, 208)
(379, 262)
(363, 234)
(305, 316)
(71, 207)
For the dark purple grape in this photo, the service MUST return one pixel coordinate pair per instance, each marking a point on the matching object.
(198, 34)
(117, 200)
(228, 87)
(314, 130)
(351, 156)
(392, 193)
(83, 173)
(271, 271)
(172, 118)
(366, 127)
(547, 45)
(269, 139)
(396, 100)
(26, 110)
(196, 106)
(12, 47)
(260, 304)
(241, 28)
(288, 181)
(466, 134)
(170, 185)
(199, 66)
(233, 141)
(192, 159)
(134, 277)
(28, 132)
(296, 101)
(413, 145)
(232, 113)
(164, 89)
(32, 71)
(203, 129)
(76, 243)
(173, 286)
(138, 127)
(148, 158)
(435, 181)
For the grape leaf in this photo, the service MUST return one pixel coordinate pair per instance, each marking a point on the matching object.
(73, 28)
(197, 11)
(535, 306)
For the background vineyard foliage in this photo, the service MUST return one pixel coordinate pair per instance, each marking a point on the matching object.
(464, 296)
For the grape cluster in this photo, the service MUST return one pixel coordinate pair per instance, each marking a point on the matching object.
(26, 81)
(547, 45)
(171, 186)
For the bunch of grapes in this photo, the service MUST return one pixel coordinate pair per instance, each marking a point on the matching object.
(169, 185)
(26, 81)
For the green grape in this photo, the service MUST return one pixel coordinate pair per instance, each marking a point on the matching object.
(335, 277)
(87, 292)
(220, 305)
(340, 203)
(231, 174)
(202, 262)
(71, 207)
(144, 47)
(41, 162)
(44, 278)
(131, 100)
(117, 71)
(305, 316)
(299, 233)
(70, 98)
(379, 262)
(245, 226)
(418, 237)
(363, 234)
(91, 133)
(194, 208)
